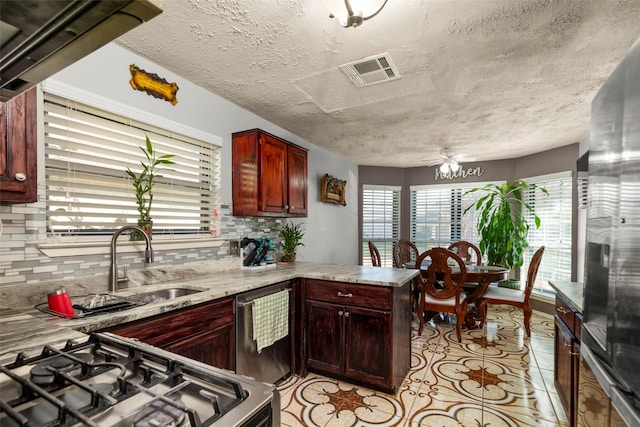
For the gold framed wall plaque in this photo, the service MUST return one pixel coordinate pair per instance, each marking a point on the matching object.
(153, 84)
(333, 190)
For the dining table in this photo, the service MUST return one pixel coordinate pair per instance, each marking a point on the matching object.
(477, 281)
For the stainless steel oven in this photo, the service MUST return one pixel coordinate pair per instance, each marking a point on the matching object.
(108, 380)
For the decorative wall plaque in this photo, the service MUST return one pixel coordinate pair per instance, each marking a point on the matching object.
(153, 85)
(333, 190)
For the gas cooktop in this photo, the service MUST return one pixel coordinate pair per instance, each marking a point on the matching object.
(108, 380)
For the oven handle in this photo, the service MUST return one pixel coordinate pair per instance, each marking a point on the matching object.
(244, 304)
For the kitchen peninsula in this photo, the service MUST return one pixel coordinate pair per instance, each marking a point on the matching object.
(27, 329)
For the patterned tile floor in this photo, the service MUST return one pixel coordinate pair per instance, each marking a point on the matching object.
(491, 379)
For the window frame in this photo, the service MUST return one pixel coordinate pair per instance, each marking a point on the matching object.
(384, 244)
(56, 245)
(557, 257)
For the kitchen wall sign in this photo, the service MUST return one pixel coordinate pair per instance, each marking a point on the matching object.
(460, 173)
(333, 190)
(153, 85)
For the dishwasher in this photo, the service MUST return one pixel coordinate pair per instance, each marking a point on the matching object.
(272, 363)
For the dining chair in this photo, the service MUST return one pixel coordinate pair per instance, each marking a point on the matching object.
(515, 297)
(439, 292)
(466, 251)
(375, 255)
(404, 251)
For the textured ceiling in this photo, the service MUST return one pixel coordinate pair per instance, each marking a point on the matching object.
(494, 79)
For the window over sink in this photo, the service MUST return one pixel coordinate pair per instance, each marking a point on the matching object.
(87, 151)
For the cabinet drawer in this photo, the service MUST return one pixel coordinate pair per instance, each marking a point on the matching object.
(566, 313)
(167, 328)
(376, 297)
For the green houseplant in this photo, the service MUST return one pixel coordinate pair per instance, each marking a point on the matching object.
(143, 184)
(502, 227)
(292, 235)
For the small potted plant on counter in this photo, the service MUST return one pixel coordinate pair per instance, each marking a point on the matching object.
(143, 184)
(292, 235)
(502, 227)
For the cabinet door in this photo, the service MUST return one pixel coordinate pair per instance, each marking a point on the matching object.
(273, 175)
(368, 347)
(297, 167)
(18, 148)
(215, 348)
(325, 336)
(563, 365)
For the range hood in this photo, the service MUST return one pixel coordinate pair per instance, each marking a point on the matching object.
(39, 38)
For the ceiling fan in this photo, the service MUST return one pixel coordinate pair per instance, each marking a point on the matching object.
(449, 160)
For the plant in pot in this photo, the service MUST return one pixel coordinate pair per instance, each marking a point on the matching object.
(143, 184)
(292, 235)
(502, 227)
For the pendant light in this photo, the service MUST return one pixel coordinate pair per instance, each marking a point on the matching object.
(352, 13)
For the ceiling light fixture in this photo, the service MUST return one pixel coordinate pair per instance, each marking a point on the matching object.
(450, 166)
(352, 13)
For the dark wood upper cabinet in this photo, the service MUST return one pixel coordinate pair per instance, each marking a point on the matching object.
(269, 176)
(18, 149)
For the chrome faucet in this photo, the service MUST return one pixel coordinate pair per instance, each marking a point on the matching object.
(148, 254)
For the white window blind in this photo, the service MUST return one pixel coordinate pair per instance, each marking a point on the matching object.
(437, 218)
(380, 221)
(88, 191)
(554, 233)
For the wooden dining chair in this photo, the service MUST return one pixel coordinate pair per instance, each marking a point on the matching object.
(404, 251)
(439, 292)
(515, 297)
(466, 251)
(375, 255)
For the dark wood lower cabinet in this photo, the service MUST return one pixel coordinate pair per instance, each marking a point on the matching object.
(358, 332)
(204, 332)
(368, 345)
(567, 325)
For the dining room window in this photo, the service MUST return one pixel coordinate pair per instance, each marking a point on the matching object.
(88, 192)
(437, 214)
(555, 231)
(380, 221)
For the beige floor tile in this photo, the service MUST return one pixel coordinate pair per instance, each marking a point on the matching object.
(506, 380)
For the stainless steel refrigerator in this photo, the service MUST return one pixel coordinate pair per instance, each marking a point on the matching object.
(609, 380)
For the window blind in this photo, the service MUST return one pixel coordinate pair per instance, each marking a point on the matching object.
(554, 233)
(88, 192)
(380, 221)
(437, 215)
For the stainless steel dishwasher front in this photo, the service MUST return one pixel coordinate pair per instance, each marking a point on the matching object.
(273, 363)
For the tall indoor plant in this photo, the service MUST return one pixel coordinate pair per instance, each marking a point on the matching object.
(143, 184)
(502, 227)
(292, 235)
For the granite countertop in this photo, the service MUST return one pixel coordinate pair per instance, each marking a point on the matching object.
(24, 329)
(572, 292)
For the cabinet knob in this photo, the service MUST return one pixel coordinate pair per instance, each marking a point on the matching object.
(340, 313)
(21, 177)
(286, 206)
(346, 314)
(563, 310)
(340, 294)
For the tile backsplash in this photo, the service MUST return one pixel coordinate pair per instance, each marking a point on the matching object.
(24, 226)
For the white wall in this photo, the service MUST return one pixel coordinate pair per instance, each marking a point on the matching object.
(331, 231)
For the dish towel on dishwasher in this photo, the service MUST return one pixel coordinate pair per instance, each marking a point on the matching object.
(270, 318)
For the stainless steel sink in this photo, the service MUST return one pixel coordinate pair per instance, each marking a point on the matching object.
(163, 294)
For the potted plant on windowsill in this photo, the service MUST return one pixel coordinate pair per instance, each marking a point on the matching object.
(502, 227)
(143, 184)
(292, 235)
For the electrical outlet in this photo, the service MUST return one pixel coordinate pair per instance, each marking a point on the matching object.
(234, 247)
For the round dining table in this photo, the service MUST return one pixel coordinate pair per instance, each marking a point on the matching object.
(477, 281)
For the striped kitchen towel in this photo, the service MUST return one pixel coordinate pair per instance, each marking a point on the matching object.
(270, 318)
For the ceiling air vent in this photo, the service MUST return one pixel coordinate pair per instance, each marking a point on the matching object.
(371, 70)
